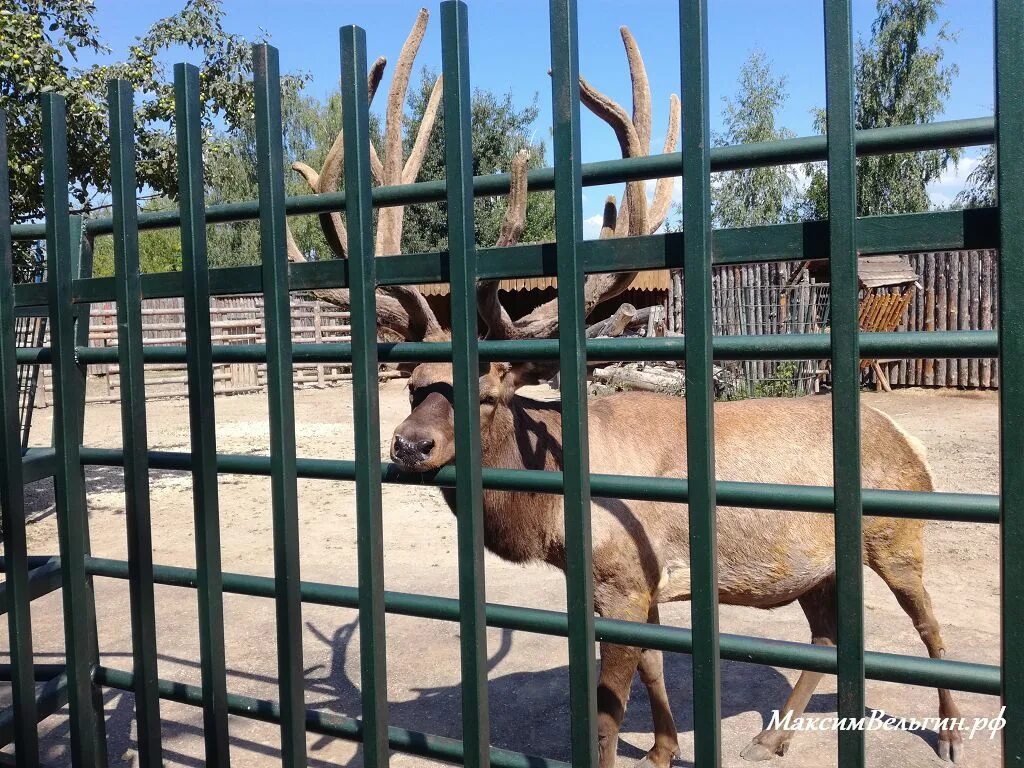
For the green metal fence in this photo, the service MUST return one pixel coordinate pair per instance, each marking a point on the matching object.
(70, 290)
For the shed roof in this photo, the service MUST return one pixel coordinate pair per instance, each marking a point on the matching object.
(876, 271)
(882, 271)
(651, 280)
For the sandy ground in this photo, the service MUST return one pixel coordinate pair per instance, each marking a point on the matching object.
(528, 673)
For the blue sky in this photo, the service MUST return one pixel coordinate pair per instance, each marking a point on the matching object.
(510, 52)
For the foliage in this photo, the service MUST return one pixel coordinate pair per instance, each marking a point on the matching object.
(39, 51)
(757, 195)
(310, 127)
(783, 383)
(980, 190)
(159, 249)
(499, 130)
(898, 81)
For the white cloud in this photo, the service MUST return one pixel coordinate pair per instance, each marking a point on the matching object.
(592, 226)
(944, 190)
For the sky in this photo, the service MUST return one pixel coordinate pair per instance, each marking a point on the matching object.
(509, 52)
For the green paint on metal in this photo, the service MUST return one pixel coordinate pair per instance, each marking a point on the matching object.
(1009, 45)
(71, 290)
(280, 397)
(965, 507)
(700, 399)
(573, 380)
(890, 667)
(88, 740)
(842, 206)
(365, 398)
(17, 589)
(873, 141)
(466, 371)
(201, 411)
(131, 367)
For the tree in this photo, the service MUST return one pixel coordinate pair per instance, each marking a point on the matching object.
(499, 130)
(39, 50)
(309, 128)
(980, 190)
(898, 81)
(159, 249)
(756, 195)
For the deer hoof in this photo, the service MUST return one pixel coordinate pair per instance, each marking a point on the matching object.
(756, 751)
(951, 749)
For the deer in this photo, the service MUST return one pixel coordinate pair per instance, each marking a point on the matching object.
(766, 558)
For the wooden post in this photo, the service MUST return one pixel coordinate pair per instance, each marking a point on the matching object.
(928, 278)
(318, 338)
(964, 315)
(974, 281)
(985, 320)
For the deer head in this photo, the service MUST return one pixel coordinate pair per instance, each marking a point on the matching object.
(425, 440)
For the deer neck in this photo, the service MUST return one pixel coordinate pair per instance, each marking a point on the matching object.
(520, 526)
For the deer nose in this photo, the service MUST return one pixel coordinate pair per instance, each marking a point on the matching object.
(409, 451)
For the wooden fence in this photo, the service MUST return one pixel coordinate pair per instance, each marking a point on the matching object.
(957, 291)
(234, 320)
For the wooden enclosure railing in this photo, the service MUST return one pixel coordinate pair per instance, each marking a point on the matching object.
(234, 320)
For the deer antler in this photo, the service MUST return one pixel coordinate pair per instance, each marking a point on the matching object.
(635, 217)
(402, 311)
(389, 220)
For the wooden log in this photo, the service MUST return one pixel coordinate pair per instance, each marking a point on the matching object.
(974, 309)
(647, 379)
(985, 319)
(964, 315)
(929, 311)
(952, 306)
(616, 324)
(940, 312)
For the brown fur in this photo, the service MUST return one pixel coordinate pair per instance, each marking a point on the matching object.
(766, 558)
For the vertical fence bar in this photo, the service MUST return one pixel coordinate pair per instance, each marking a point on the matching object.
(844, 335)
(88, 741)
(12, 495)
(131, 368)
(365, 397)
(1009, 44)
(466, 364)
(283, 483)
(572, 338)
(201, 411)
(700, 399)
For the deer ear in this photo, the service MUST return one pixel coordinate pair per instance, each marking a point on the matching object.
(525, 374)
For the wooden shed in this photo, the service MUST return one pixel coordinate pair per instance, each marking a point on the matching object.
(887, 286)
(521, 295)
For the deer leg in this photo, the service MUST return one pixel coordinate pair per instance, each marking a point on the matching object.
(819, 607)
(618, 664)
(905, 578)
(652, 673)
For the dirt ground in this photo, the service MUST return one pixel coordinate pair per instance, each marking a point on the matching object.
(528, 673)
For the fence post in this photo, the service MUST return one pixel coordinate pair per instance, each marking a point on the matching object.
(131, 372)
(573, 380)
(365, 397)
(12, 495)
(201, 412)
(281, 399)
(64, 238)
(845, 332)
(1009, 36)
(700, 430)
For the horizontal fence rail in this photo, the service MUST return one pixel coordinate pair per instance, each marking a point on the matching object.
(71, 293)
